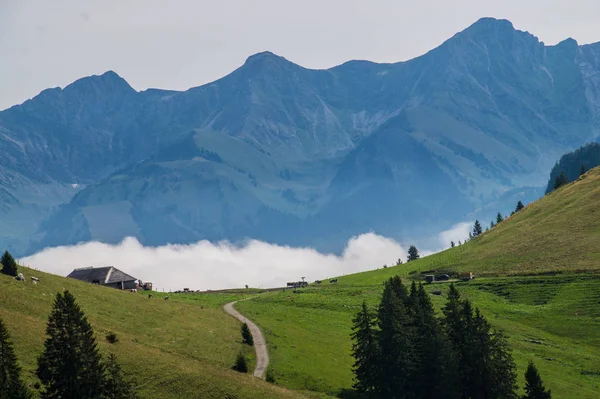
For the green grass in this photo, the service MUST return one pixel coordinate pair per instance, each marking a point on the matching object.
(538, 279)
(181, 348)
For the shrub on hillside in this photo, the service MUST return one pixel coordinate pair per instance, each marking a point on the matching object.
(241, 364)
(270, 377)
(112, 338)
(247, 335)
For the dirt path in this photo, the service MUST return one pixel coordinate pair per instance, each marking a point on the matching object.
(262, 356)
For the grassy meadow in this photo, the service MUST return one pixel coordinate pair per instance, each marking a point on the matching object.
(181, 348)
(537, 278)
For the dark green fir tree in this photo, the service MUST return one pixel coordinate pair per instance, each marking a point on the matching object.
(11, 384)
(534, 386)
(116, 384)
(9, 265)
(70, 366)
(365, 351)
(247, 335)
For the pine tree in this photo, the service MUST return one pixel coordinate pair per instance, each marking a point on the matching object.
(365, 350)
(534, 386)
(499, 218)
(413, 253)
(11, 384)
(477, 230)
(395, 339)
(560, 181)
(452, 244)
(492, 224)
(519, 206)
(116, 385)
(247, 335)
(433, 366)
(484, 364)
(241, 364)
(9, 265)
(582, 170)
(70, 366)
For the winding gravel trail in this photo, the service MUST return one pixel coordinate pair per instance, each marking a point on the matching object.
(262, 356)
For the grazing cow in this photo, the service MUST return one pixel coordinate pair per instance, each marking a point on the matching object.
(37, 280)
(133, 290)
(20, 277)
(149, 296)
(166, 298)
(333, 281)
(317, 281)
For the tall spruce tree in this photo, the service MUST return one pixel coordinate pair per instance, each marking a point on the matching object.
(433, 373)
(485, 366)
(477, 230)
(582, 170)
(499, 218)
(396, 337)
(9, 265)
(116, 384)
(534, 386)
(365, 351)
(413, 253)
(70, 366)
(11, 384)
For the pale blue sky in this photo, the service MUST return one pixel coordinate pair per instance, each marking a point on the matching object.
(177, 44)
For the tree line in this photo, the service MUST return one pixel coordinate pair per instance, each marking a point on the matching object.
(70, 365)
(403, 351)
(573, 165)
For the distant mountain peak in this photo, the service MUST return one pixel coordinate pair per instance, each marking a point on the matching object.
(266, 59)
(108, 81)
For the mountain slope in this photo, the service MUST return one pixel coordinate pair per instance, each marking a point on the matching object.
(537, 279)
(570, 164)
(194, 361)
(275, 151)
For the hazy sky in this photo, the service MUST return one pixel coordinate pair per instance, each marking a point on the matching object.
(177, 44)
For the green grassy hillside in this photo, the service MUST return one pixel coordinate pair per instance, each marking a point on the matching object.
(538, 278)
(174, 349)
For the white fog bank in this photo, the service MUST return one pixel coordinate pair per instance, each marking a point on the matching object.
(205, 265)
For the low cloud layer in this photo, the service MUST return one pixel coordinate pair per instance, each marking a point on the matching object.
(205, 265)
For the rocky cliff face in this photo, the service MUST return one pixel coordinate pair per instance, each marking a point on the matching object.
(282, 153)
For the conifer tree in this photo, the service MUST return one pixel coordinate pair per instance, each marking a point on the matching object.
(247, 335)
(9, 265)
(582, 170)
(452, 244)
(560, 181)
(241, 364)
(477, 230)
(365, 351)
(397, 360)
(484, 363)
(499, 218)
(534, 386)
(11, 384)
(116, 385)
(492, 224)
(70, 366)
(413, 253)
(433, 366)
(519, 206)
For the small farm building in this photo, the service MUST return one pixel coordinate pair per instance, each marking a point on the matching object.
(109, 276)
